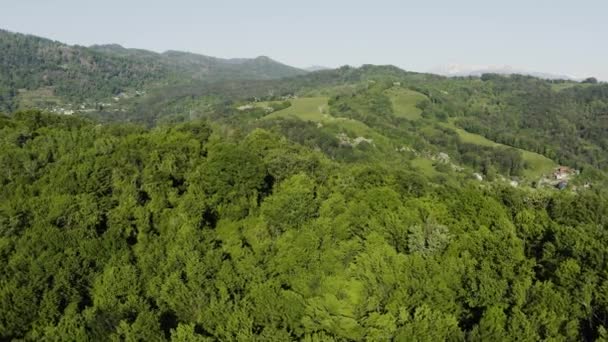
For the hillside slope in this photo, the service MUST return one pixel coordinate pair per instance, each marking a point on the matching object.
(72, 72)
(76, 73)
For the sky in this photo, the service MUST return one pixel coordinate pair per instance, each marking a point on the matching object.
(560, 37)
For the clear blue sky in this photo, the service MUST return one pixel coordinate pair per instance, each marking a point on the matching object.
(563, 37)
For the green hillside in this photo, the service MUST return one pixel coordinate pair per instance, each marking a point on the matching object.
(537, 165)
(307, 109)
(405, 102)
(179, 197)
(74, 73)
(81, 75)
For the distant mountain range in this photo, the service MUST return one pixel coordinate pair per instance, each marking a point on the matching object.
(463, 70)
(313, 68)
(73, 73)
(39, 72)
(199, 66)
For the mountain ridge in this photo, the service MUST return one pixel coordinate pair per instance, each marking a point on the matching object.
(74, 72)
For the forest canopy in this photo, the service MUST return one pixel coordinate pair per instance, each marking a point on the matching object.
(189, 232)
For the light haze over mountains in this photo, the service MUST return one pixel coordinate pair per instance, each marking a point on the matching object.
(454, 70)
(557, 37)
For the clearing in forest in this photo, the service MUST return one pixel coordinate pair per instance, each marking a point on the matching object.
(537, 164)
(405, 102)
(305, 108)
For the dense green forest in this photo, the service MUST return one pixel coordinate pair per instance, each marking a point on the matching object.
(194, 232)
(568, 125)
(189, 198)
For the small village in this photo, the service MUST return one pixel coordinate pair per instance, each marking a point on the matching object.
(112, 105)
(560, 178)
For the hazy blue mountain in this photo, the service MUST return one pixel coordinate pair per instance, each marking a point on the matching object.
(463, 70)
